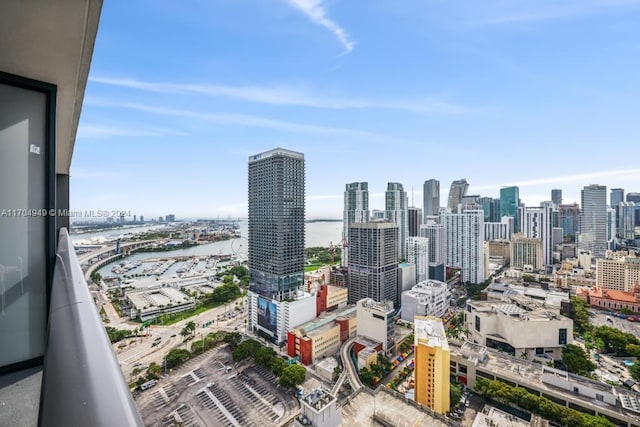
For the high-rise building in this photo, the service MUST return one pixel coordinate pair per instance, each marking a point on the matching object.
(526, 251)
(414, 220)
(626, 224)
(620, 271)
(276, 190)
(418, 254)
(536, 224)
(431, 197)
(556, 197)
(509, 202)
(457, 191)
(356, 210)
(437, 238)
(592, 235)
(432, 359)
(635, 198)
(498, 230)
(373, 262)
(616, 196)
(491, 208)
(396, 211)
(568, 217)
(465, 243)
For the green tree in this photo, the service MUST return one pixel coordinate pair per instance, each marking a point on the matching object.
(293, 375)
(634, 370)
(615, 341)
(577, 360)
(455, 393)
(226, 292)
(177, 357)
(153, 371)
(579, 312)
(263, 356)
(366, 376)
(245, 349)
(232, 338)
(277, 365)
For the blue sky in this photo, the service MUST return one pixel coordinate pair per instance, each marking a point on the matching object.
(543, 94)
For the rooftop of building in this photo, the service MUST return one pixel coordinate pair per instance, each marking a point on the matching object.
(318, 399)
(159, 296)
(491, 417)
(382, 306)
(367, 342)
(428, 284)
(524, 310)
(388, 407)
(276, 152)
(326, 318)
(329, 364)
(430, 331)
(611, 294)
(379, 223)
(530, 374)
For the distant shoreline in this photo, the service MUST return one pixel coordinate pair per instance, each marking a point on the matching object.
(309, 221)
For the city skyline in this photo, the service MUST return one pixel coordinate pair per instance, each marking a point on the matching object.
(503, 94)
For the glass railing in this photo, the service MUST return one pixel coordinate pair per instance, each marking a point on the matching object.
(82, 382)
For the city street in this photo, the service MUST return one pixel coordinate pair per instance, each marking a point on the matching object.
(142, 352)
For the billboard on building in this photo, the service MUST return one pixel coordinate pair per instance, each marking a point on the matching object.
(268, 315)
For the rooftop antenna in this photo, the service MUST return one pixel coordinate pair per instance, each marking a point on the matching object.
(412, 204)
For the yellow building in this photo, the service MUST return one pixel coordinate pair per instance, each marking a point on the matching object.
(432, 357)
(621, 273)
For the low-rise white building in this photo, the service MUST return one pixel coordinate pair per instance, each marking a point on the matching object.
(427, 298)
(376, 321)
(319, 408)
(152, 302)
(273, 319)
(531, 332)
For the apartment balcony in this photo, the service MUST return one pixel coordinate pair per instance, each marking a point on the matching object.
(80, 382)
(57, 366)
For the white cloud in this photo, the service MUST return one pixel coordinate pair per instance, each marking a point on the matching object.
(96, 131)
(583, 177)
(314, 9)
(283, 96)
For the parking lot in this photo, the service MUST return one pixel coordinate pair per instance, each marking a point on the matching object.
(211, 391)
(598, 318)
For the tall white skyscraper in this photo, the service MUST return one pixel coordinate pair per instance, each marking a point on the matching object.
(536, 223)
(418, 254)
(435, 234)
(396, 211)
(431, 197)
(356, 210)
(465, 243)
(593, 220)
